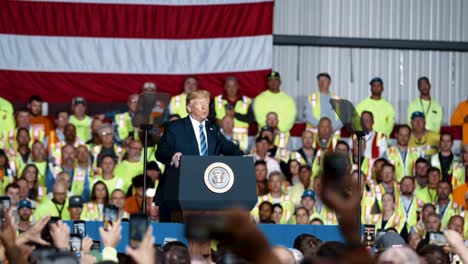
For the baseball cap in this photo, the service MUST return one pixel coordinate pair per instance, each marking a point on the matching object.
(273, 75)
(78, 100)
(267, 128)
(75, 201)
(24, 204)
(309, 193)
(417, 114)
(376, 79)
(388, 240)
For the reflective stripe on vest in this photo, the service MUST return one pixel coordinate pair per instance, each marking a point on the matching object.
(122, 120)
(282, 140)
(314, 100)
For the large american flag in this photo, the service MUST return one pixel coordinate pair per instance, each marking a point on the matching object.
(105, 50)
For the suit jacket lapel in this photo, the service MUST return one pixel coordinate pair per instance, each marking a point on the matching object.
(211, 135)
(191, 139)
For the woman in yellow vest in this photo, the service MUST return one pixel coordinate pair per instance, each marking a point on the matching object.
(31, 175)
(99, 198)
(390, 217)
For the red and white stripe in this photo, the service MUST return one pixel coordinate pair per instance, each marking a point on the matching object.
(105, 49)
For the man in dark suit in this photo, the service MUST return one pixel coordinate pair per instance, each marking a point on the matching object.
(193, 135)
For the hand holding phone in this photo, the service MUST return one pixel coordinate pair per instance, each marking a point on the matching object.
(45, 234)
(111, 215)
(75, 243)
(369, 235)
(5, 203)
(111, 237)
(138, 225)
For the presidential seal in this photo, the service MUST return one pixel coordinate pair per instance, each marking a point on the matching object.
(219, 177)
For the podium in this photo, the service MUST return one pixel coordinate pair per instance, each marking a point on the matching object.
(211, 183)
(207, 185)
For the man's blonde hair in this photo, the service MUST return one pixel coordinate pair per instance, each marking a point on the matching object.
(196, 95)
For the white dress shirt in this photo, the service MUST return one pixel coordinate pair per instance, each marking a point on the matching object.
(271, 163)
(196, 129)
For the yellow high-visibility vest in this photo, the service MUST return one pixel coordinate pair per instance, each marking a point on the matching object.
(178, 105)
(396, 221)
(83, 127)
(451, 210)
(314, 100)
(124, 125)
(406, 168)
(412, 214)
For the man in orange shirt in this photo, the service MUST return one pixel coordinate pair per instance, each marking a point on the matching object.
(460, 118)
(134, 203)
(38, 121)
(460, 173)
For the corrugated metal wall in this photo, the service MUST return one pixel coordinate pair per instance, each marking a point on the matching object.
(351, 69)
(395, 19)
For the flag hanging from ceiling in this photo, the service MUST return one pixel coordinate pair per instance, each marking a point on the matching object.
(105, 50)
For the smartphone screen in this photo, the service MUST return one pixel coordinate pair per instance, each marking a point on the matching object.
(5, 203)
(138, 226)
(96, 246)
(438, 239)
(111, 214)
(369, 235)
(79, 227)
(75, 243)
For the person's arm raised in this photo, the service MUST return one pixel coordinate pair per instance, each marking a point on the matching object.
(245, 240)
(456, 245)
(145, 253)
(346, 208)
(110, 238)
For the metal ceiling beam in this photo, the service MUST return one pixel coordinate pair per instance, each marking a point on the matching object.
(370, 43)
